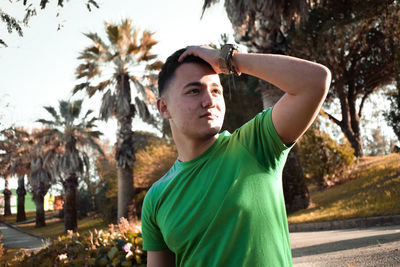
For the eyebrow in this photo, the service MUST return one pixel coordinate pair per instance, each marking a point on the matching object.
(199, 84)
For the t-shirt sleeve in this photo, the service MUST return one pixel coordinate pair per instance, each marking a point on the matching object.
(152, 237)
(261, 139)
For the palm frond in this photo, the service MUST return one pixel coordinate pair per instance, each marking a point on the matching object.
(133, 49)
(87, 114)
(146, 57)
(98, 88)
(155, 66)
(88, 70)
(125, 28)
(80, 87)
(86, 161)
(207, 4)
(134, 39)
(65, 111)
(93, 3)
(144, 112)
(107, 105)
(147, 41)
(141, 89)
(21, 132)
(95, 134)
(49, 132)
(97, 40)
(112, 33)
(46, 122)
(91, 123)
(75, 108)
(12, 24)
(95, 145)
(53, 112)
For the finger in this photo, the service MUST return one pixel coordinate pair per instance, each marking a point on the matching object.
(189, 51)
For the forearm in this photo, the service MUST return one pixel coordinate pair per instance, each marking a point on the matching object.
(292, 75)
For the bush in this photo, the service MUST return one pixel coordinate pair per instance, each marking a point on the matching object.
(121, 245)
(324, 161)
(2, 250)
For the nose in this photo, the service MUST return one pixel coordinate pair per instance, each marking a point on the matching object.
(208, 99)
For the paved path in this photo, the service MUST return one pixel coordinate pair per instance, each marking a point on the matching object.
(14, 238)
(376, 246)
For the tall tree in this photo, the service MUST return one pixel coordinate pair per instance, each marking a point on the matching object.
(359, 42)
(70, 132)
(12, 163)
(124, 52)
(20, 143)
(262, 26)
(5, 161)
(40, 181)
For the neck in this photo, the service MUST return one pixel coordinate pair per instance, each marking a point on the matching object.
(189, 149)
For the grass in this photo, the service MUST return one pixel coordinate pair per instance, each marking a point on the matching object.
(55, 227)
(372, 189)
(12, 218)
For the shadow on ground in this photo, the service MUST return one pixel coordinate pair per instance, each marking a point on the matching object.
(345, 245)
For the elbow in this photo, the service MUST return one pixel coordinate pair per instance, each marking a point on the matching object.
(324, 81)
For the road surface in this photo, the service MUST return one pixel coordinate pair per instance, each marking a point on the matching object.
(377, 246)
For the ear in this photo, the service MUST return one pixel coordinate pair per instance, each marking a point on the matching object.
(162, 107)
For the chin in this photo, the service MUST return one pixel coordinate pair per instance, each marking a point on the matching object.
(211, 132)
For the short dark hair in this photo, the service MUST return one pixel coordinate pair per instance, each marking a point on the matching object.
(171, 64)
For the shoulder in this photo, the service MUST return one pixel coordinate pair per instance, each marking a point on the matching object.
(159, 186)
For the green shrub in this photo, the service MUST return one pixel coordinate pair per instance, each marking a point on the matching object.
(2, 250)
(121, 245)
(324, 160)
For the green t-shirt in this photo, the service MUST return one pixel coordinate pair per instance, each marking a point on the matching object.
(225, 207)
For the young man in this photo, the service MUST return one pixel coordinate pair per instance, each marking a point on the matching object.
(221, 203)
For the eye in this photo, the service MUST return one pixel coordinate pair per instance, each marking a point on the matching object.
(217, 91)
(193, 91)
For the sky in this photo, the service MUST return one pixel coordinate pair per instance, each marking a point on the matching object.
(37, 69)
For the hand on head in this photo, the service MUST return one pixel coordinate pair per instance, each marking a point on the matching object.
(204, 52)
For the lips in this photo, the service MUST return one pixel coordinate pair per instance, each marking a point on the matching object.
(208, 115)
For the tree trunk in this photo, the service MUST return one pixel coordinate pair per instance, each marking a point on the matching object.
(294, 187)
(70, 211)
(125, 151)
(125, 191)
(40, 214)
(21, 192)
(7, 198)
(7, 202)
(354, 139)
(350, 123)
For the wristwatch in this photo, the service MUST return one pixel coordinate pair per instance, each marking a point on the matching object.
(225, 59)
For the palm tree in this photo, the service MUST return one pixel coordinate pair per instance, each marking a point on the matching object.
(125, 53)
(5, 161)
(262, 26)
(42, 171)
(66, 137)
(21, 141)
(14, 162)
(40, 182)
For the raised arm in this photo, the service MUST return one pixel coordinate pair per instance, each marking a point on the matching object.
(305, 83)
